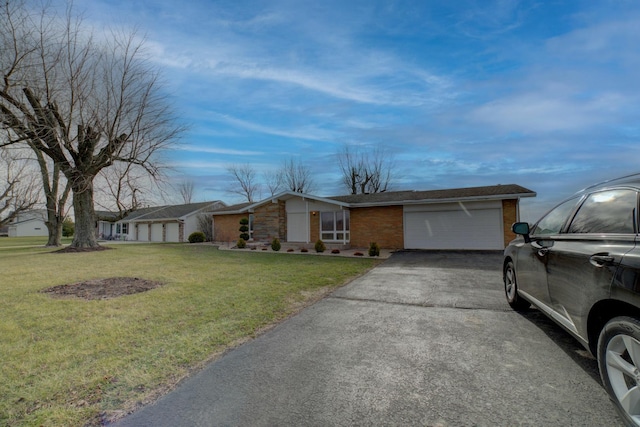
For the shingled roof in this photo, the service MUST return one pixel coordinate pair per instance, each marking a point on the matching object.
(170, 211)
(391, 197)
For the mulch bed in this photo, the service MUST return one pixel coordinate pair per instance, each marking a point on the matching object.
(97, 289)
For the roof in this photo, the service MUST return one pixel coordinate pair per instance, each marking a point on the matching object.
(454, 194)
(389, 198)
(170, 212)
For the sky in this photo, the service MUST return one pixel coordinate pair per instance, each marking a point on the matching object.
(543, 94)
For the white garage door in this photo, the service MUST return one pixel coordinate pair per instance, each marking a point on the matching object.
(143, 232)
(173, 234)
(156, 232)
(454, 229)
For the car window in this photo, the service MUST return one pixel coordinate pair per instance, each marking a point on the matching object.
(553, 221)
(610, 211)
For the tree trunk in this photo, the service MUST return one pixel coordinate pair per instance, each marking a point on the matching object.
(85, 216)
(54, 226)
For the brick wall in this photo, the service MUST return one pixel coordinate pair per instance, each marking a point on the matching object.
(383, 225)
(509, 216)
(226, 227)
(314, 223)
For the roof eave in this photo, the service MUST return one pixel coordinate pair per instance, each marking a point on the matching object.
(443, 200)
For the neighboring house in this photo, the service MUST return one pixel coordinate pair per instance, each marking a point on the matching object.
(173, 223)
(462, 218)
(30, 223)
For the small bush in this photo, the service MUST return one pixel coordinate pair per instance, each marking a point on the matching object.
(290, 250)
(244, 227)
(304, 250)
(275, 244)
(374, 249)
(335, 251)
(241, 244)
(68, 228)
(197, 237)
(358, 254)
(320, 247)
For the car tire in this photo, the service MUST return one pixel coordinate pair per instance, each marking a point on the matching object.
(511, 288)
(619, 363)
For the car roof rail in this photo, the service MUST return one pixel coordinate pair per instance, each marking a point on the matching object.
(609, 181)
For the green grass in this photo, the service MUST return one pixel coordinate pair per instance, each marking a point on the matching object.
(69, 362)
(12, 242)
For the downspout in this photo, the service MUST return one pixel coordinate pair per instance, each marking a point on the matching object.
(307, 221)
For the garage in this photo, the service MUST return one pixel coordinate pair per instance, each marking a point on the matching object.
(173, 232)
(156, 232)
(454, 226)
(143, 232)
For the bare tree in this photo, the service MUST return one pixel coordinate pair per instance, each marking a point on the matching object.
(120, 188)
(366, 171)
(296, 176)
(19, 189)
(56, 192)
(83, 103)
(274, 181)
(186, 190)
(245, 183)
(205, 224)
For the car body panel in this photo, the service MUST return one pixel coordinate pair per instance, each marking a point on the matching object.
(565, 274)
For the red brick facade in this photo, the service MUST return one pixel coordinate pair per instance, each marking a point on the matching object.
(383, 225)
(509, 216)
(226, 228)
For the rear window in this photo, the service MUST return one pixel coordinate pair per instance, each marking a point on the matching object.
(612, 211)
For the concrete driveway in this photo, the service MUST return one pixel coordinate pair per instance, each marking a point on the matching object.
(424, 339)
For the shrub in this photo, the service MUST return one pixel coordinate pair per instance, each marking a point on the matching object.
(320, 247)
(290, 250)
(358, 254)
(275, 244)
(68, 227)
(335, 251)
(241, 244)
(244, 227)
(374, 249)
(304, 250)
(197, 237)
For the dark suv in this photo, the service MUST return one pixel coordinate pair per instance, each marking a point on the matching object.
(580, 265)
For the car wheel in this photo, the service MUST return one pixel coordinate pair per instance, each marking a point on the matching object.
(511, 289)
(619, 363)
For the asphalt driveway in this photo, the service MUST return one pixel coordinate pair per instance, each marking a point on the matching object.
(426, 338)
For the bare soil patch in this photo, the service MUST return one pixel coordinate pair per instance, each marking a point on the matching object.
(108, 288)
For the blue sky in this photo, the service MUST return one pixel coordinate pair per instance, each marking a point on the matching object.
(544, 94)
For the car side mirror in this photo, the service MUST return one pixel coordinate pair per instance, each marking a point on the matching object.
(522, 228)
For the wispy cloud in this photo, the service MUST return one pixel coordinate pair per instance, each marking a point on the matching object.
(217, 150)
(304, 133)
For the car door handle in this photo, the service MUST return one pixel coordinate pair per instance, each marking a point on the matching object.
(600, 260)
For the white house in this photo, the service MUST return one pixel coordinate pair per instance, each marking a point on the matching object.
(31, 223)
(173, 223)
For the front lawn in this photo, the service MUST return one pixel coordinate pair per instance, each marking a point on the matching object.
(75, 361)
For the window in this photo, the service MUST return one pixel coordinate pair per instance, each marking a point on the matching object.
(334, 225)
(611, 211)
(552, 222)
(125, 228)
(250, 226)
